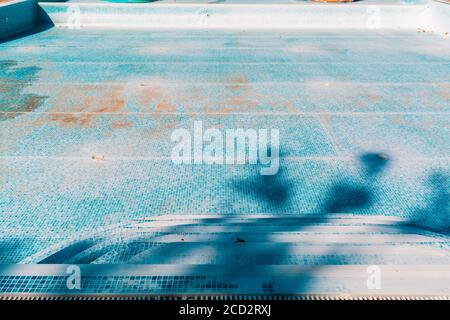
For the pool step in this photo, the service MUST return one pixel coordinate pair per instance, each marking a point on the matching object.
(255, 240)
(261, 254)
(168, 279)
(238, 16)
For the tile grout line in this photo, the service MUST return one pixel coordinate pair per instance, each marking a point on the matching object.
(143, 83)
(256, 113)
(167, 158)
(326, 128)
(232, 62)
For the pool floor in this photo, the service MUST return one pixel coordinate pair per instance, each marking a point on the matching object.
(363, 120)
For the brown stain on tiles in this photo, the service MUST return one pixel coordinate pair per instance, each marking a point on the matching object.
(164, 106)
(121, 124)
(237, 83)
(158, 101)
(72, 119)
(91, 101)
(444, 92)
(373, 97)
(240, 97)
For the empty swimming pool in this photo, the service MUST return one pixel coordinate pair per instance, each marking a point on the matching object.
(87, 176)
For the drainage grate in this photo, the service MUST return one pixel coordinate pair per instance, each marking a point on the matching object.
(224, 297)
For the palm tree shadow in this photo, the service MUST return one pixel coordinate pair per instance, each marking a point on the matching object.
(272, 192)
(435, 214)
(350, 195)
(241, 249)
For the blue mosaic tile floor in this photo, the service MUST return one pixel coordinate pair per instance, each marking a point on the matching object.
(338, 99)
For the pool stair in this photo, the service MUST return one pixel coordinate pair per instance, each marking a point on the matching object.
(234, 255)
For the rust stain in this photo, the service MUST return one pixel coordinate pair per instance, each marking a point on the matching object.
(148, 95)
(362, 102)
(237, 83)
(399, 120)
(154, 96)
(72, 119)
(373, 97)
(406, 100)
(160, 102)
(241, 97)
(94, 100)
(284, 103)
(445, 92)
(4, 168)
(164, 106)
(244, 98)
(121, 124)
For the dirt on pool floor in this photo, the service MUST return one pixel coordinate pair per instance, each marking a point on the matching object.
(14, 79)
(101, 100)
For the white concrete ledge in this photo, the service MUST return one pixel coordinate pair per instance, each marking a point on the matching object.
(226, 16)
(439, 16)
(19, 15)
